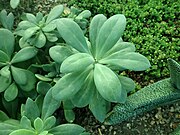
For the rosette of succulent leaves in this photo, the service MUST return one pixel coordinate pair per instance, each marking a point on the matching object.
(90, 67)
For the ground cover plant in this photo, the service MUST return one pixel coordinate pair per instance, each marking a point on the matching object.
(66, 66)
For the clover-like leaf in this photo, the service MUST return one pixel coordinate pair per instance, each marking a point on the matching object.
(109, 34)
(11, 92)
(72, 34)
(77, 62)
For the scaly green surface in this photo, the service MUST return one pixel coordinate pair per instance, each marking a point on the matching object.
(148, 98)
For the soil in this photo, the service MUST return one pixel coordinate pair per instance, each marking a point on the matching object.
(161, 121)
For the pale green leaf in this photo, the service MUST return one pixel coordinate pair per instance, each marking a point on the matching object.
(30, 32)
(43, 87)
(3, 116)
(109, 34)
(95, 25)
(127, 60)
(108, 84)
(76, 62)
(4, 57)
(24, 54)
(23, 132)
(38, 125)
(40, 40)
(5, 82)
(25, 123)
(127, 83)
(14, 3)
(6, 128)
(49, 27)
(54, 13)
(72, 34)
(31, 18)
(25, 25)
(49, 122)
(11, 92)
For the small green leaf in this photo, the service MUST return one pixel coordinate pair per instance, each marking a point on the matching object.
(68, 85)
(29, 32)
(5, 82)
(31, 18)
(108, 84)
(7, 46)
(10, 21)
(43, 78)
(40, 40)
(127, 60)
(7, 128)
(67, 129)
(72, 34)
(76, 62)
(49, 122)
(84, 14)
(23, 132)
(14, 3)
(59, 53)
(54, 13)
(25, 123)
(31, 110)
(38, 125)
(99, 107)
(43, 87)
(11, 92)
(39, 16)
(51, 37)
(49, 105)
(49, 27)
(19, 75)
(3, 116)
(5, 72)
(68, 112)
(127, 83)
(109, 34)
(24, 54)
(4, 57)
(95, 25)
(25, 25)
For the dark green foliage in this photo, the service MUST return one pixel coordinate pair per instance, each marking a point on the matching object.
(151, 25)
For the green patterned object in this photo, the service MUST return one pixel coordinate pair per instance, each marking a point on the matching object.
(160, 93)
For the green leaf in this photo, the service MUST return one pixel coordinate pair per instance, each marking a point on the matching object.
(10, 21)
(99, 107)
(49, 122)
(72, 34)
(108, 84)
(5, 72)
(4, 58)
(51, 37)
(43, 87)
(31, 18)
(14, 3)
(24, 54)
(67, 129)
(49, 27)
(109, 34)
(59, 53)
(95, 25)
(38, 125)
(54, 13)
(25, 123)
(49, 105)
(43, 78)
(68, 112)
(7, 46)
(25, 25)
(84, 14)
(121, 47)
(29, 32)
(19, 75)
(127, 83)
(127, 60)
(31, 110)
(5, 82)
(40, 40)
(76, 62)
(68, 85)
(11, 92)
(39, 16)
(83, 97)
(23, 132)
(3, 116)
(6, 128)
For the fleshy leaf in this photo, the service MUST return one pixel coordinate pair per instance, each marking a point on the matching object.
(109, 34)
(95, 25)
(49, 123)
(77, 62)
(68, 85)
(72, 34)
(108, 84)
(7, 46)
(99, 107)
(31, 18)
(23, 25)
(43, 87)
(29, 32)
(3, 116)
(11, 92)
(24, 54)
(54, 13)
(14, 3)
(59, 53)
(4, 57)
(5, 82)
(127, 60)
(23, 132)
(68, 111)
(67, 129)
(38, 124)
(127, 83)
(40, 40)
(7, 128)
